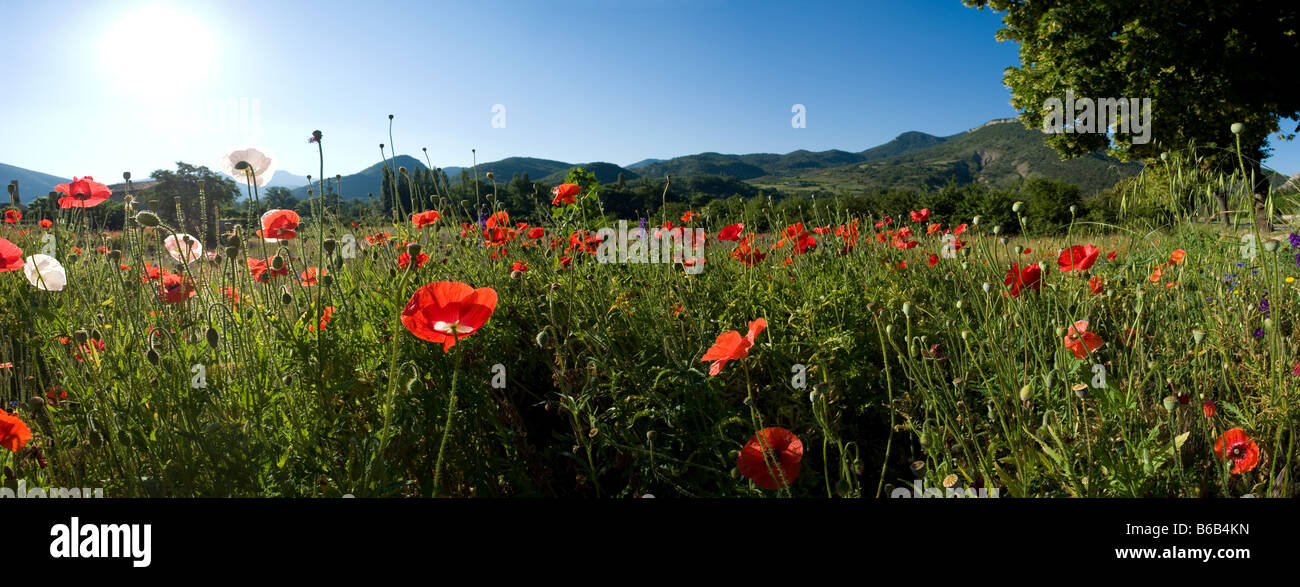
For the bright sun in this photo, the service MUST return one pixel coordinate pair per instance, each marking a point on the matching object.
(158, 49)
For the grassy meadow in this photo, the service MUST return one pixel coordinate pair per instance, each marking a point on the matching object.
(891, 353)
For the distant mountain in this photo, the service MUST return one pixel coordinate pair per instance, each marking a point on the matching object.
(643, 163)
(367, 181)
(31, 184)
(999, 153)
(604, 172)
(284, 179)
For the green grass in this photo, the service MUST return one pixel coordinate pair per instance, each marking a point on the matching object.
(605, 393)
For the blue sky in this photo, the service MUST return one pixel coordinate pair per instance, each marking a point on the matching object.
(138, 85)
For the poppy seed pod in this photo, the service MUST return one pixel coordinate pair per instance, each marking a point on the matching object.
(491, 175)
(1198, 335)
(1237, 128)
(115, 255)
(1171, 403)
(232, 251)
(126, 175)
(81, 336)
(212, 336)
(277, 262)
(35, 403)
(153, 357)
(516, 275)
(286, 298)
(330, 244)
(146, 218)
(413, 249)
(918, 469)
(1019, 249)
(1081, 390)
(327, 280)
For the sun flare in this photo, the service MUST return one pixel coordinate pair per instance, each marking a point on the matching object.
(157, 42)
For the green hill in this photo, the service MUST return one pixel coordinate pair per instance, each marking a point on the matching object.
(31, 184)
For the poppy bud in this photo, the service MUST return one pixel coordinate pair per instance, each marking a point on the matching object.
(1024, 220)
(889, 330)
(1268, 324)
(907, 309)
(1019, 249)
(146, 218)
(316, 135)
(153, 357)
(1164, 156)
(277, 261)
(988, 287)
(650, 435)
(414, 385)
(413, 250)
(330, 244)
(491, 175)
(232, 251)
(96, 334)
(286, 298)
(327, 280)
(998, 230)
(1270, 246)
(1018, 206)
(1073, 209)
(1025, 393)
(287, 380)
(1171, 403)
(555, 286)
(1049, 380)
(1060, 331)
(213, 337)
(1237, 128)
(975, 221)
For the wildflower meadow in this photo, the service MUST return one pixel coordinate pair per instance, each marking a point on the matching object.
(447, 349)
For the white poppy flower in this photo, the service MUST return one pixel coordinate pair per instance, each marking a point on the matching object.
(183, 247)
(259, 163)
(45, 272)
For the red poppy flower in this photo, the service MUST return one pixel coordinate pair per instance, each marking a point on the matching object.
(1077, 258)
(92, 347)
(263, 270)
(377, 238)
(536, 232)
(14, 434)
(279, 225)
(424, 219)
(1177, 257)
(1080, 341)
(961, 228)
(404, 260)
(921, 216)
(11, 257)
(886, 221)
(175, 288)
(933, 229)
(13, 216)
(325, 318)
(1208, 408)
(1236, 445)
(231, 294)
(771, 458)
(688, 216)
(932, 261)
(564, 262)
(45, 223)
(1156, 275)
(1111, 256)
(731, 346)
(445, 311)
(1095, 284)
(1030, 277)
(565, 193)
(518, 267)
(82, 193)
(153, 272)
(311, 276)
